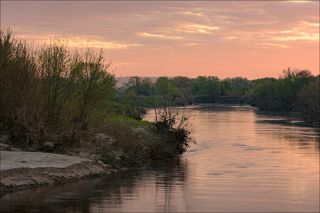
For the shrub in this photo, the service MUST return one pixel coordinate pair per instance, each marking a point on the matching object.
(49, 89)
(174, 130)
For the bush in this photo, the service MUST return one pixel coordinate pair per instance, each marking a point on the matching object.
(49, 89)
(174, 130)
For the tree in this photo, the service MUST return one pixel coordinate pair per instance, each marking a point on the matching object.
(308, 101)
(96, 85)
(184, 88)
(264, 94)
(213, 87)
(140, 86)
(206, 88)
(166, 90)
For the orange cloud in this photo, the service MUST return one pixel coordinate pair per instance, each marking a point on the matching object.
(161, 36)
(77, 41)
(252, 39)
(196, 28)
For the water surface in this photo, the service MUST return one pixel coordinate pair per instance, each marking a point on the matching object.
(241, 162)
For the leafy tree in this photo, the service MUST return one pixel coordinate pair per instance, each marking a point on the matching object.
(213, 87)
(96, 84)
(206, 87)
(18, 80)
(226, 87)
(166, 89)
(308, 101)
(140, 86)
(284, 94)
(184, 88)
(53, 87)
(263, 93)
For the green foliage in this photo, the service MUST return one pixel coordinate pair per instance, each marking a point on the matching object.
(237, 86)
(206, 85)
(206, 89)
(308, 101)
(95, 84)
(116, 118)
(18, 79)
(184, 89)
(51, 88)
(268, 94)
(174, 130)
(280, 94)
(263, 94)
(166, 89)
(139, 86)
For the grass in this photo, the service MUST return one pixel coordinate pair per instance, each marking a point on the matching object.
(116, 118)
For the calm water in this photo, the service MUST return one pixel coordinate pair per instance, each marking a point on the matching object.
(240, 163)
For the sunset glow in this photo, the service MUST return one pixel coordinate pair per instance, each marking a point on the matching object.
(224, 39)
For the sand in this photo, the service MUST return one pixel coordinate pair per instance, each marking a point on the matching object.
(27, 169)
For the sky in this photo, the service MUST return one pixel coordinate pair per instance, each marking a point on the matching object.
(252, 39)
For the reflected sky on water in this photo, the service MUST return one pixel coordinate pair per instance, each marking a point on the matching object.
(238, 164)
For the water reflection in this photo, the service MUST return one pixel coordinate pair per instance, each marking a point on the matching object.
(102, 194)
(238, 164)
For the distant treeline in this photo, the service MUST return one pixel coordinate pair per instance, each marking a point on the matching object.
(294, 90)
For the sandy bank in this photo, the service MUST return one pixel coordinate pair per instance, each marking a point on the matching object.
(27, 169)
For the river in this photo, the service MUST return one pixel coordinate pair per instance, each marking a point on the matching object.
(241, 163)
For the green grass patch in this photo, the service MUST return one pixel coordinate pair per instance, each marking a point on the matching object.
(116, 118)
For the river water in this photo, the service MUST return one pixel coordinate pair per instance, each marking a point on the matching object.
(241, 163)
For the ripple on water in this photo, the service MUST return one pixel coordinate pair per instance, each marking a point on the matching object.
(237, 165)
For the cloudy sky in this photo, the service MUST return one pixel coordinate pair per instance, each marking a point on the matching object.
(225, 39)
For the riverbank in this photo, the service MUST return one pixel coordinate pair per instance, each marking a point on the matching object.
(242, 161)
(88, 153)
(29, 169)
